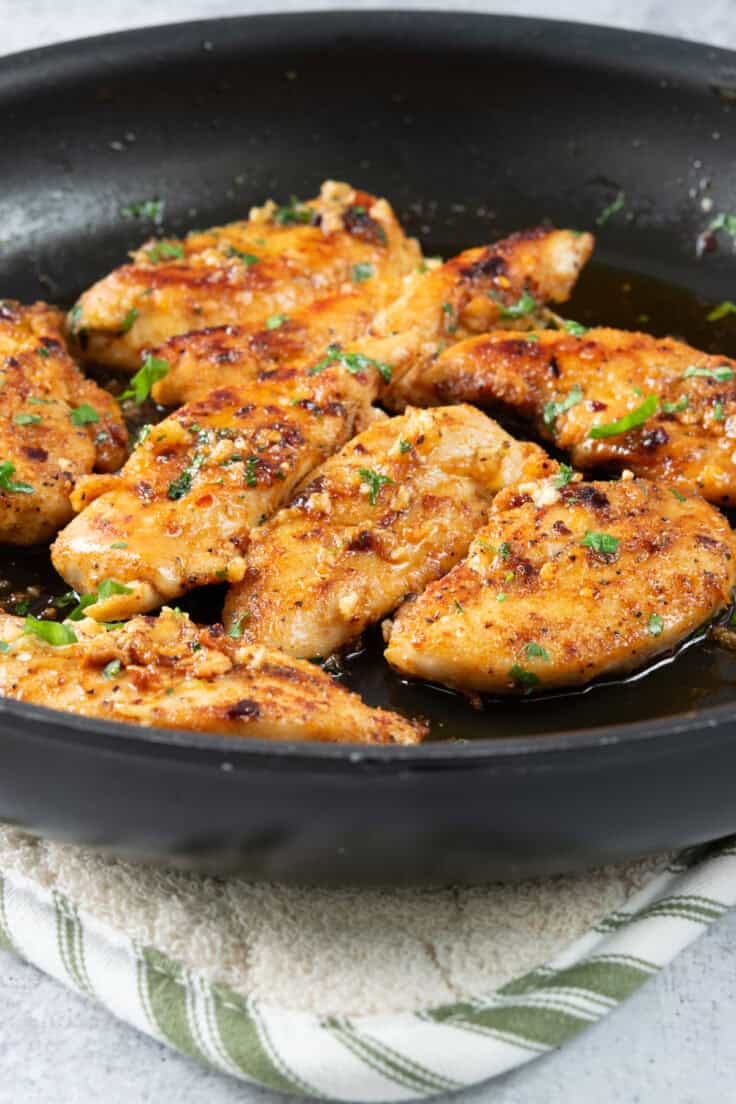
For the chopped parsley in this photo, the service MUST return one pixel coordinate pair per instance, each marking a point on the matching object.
(111, 669)
(83, 415)
(719, 414)
(147, 209)
(354, 362)
(119, 544)
(577, 329)
(152, 370)
(374, 481)
(724, 221)
(500, 597)
(51, 632)
(43, 352)
(676, 408)
(629, 421)
(247, 258)
(27, 419)
(522, 677)
(276, 321)
(721, 311)
(603, 543)
(107, 589)
(565, 475)
(251, 477)
(75, 316)
(165, 251)
(552, 410)
(723, 373)
(534, 649)
(128, 321)
(458, 606)
(236, 629)
(7, 483)
(449, 312)
(405, 446)
(525, 304)
(655, 624)
(678, 496)
(612, 209)
(293, 213)
(362, 272)
(4, 647)
(504, 550)
(182, 485)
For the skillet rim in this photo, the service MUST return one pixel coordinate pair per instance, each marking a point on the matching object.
(559, 39)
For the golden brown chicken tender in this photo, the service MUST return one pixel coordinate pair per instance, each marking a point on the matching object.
(569, 581)
(167, 672)
(55, 425)
(180, 513)
(613, 399)
(394, 509)
(278, 260)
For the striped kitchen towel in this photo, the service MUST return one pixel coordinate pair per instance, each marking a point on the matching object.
(380, 1057)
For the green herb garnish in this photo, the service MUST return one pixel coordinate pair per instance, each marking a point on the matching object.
(247, 258)
(51, 632)
(236, 629)
(603, 543)
(83, 415)
(534, 649)
(374, 482)
(405, 446)
(292, 213)
(612, 209)
(354, 362)
(119, 544)
(525, 304)
(678, 496)
(721, 311)
(7, 483)
(458, 606)
(552, 410)
(629, 421)
(182, 485)
(675, 408)
(251, 477)
(152, 370)
(723, 373)
(362, 272)
(111, 669)
(719, 413)
(524, 678)
(148, 209)
(27, 419)
(577, 329)
(655, 624)
(724, 221)
(165, 251)
(128, 321)
(276, 321)
(42, 352)
(564, 477)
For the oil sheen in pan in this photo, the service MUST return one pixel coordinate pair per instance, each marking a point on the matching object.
(698, 675)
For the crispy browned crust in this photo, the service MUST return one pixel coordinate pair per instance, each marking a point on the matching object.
(571, 609)
(170, 673)
(41, 387)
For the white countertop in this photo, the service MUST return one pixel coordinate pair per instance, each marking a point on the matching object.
(672, 1041)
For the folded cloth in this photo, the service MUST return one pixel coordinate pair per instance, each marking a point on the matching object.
(356, 995)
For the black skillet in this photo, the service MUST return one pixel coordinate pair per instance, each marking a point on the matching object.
(473, 126)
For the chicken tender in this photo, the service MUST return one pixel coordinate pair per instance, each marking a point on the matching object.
(613, 399)
(55, 425)
(180, 513)
(503, 284)
(394, 509)
(279, 259)
(166, 672)
(569, 581)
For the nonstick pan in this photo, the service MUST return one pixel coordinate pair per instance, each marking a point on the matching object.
(473, 126)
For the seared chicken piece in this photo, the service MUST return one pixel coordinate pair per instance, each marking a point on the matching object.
(180, 512)
(395, 508)
(612, 399)
(503, 284)
(277, 260)
(167, 672)
(566, 583)
(439, 306)
(55, 425)
(205, 359)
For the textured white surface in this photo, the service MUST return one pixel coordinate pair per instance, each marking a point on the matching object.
(672, 1041)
